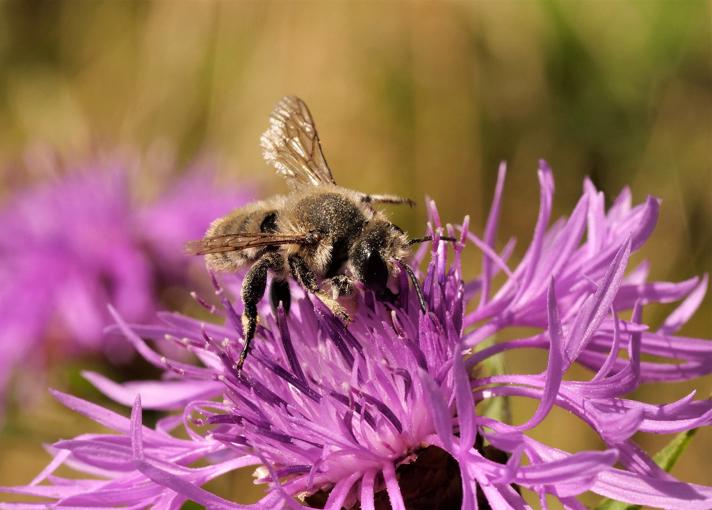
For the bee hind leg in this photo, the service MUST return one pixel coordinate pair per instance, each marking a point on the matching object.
(253, 289)
(305, 277)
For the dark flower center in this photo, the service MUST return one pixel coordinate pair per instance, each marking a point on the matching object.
(432, 480)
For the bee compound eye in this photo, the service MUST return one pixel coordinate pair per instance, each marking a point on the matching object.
(375, 272)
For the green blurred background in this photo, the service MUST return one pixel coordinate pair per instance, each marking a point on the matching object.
(411, 98)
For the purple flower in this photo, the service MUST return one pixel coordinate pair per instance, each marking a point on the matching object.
(383, 413)
(73, 245)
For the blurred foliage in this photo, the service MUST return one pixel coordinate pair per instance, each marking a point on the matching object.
(412, 98)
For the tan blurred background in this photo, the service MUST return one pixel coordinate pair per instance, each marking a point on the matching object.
(409, 97)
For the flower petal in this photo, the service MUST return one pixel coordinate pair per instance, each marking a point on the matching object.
(160, 395)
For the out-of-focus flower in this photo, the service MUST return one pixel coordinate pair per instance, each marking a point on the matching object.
(383, 413)
(70, 246)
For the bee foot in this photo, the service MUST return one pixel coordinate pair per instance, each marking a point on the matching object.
(343, 316)
(341, 285)
(335, 308)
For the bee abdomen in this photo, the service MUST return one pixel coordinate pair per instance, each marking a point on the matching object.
(269, 222)
(245, 220)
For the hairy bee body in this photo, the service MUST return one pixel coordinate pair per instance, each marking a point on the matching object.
(259, 216)
(325, 237)
(336, 216)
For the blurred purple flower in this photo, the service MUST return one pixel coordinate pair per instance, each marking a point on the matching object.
(73, 245)
(341, 417)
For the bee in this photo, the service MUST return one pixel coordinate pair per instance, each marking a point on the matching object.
(325, 237)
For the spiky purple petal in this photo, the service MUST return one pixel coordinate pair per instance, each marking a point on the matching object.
(344, 412)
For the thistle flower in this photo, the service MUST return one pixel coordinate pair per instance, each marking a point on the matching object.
(70, 246)
(382, 413)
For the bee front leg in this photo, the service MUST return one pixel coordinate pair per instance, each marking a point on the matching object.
(305, 277)
(387, 199)
(253, 289)
(341, 285)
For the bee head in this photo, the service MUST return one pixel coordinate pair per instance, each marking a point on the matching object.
(373, 252)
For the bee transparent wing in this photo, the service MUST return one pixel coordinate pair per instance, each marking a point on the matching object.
(237, 242)
(291, 145)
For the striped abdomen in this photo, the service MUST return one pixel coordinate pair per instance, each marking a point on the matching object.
(257, 217)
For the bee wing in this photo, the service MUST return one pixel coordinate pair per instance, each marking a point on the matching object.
(291, 145)
(243, 241)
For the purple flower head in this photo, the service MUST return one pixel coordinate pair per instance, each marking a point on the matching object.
(74, 244)
(384, 413)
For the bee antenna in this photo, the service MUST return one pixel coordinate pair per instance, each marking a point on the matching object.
(418, 240)
(416, 284)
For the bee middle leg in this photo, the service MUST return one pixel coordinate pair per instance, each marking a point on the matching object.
(253, 289)
(305, 277)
